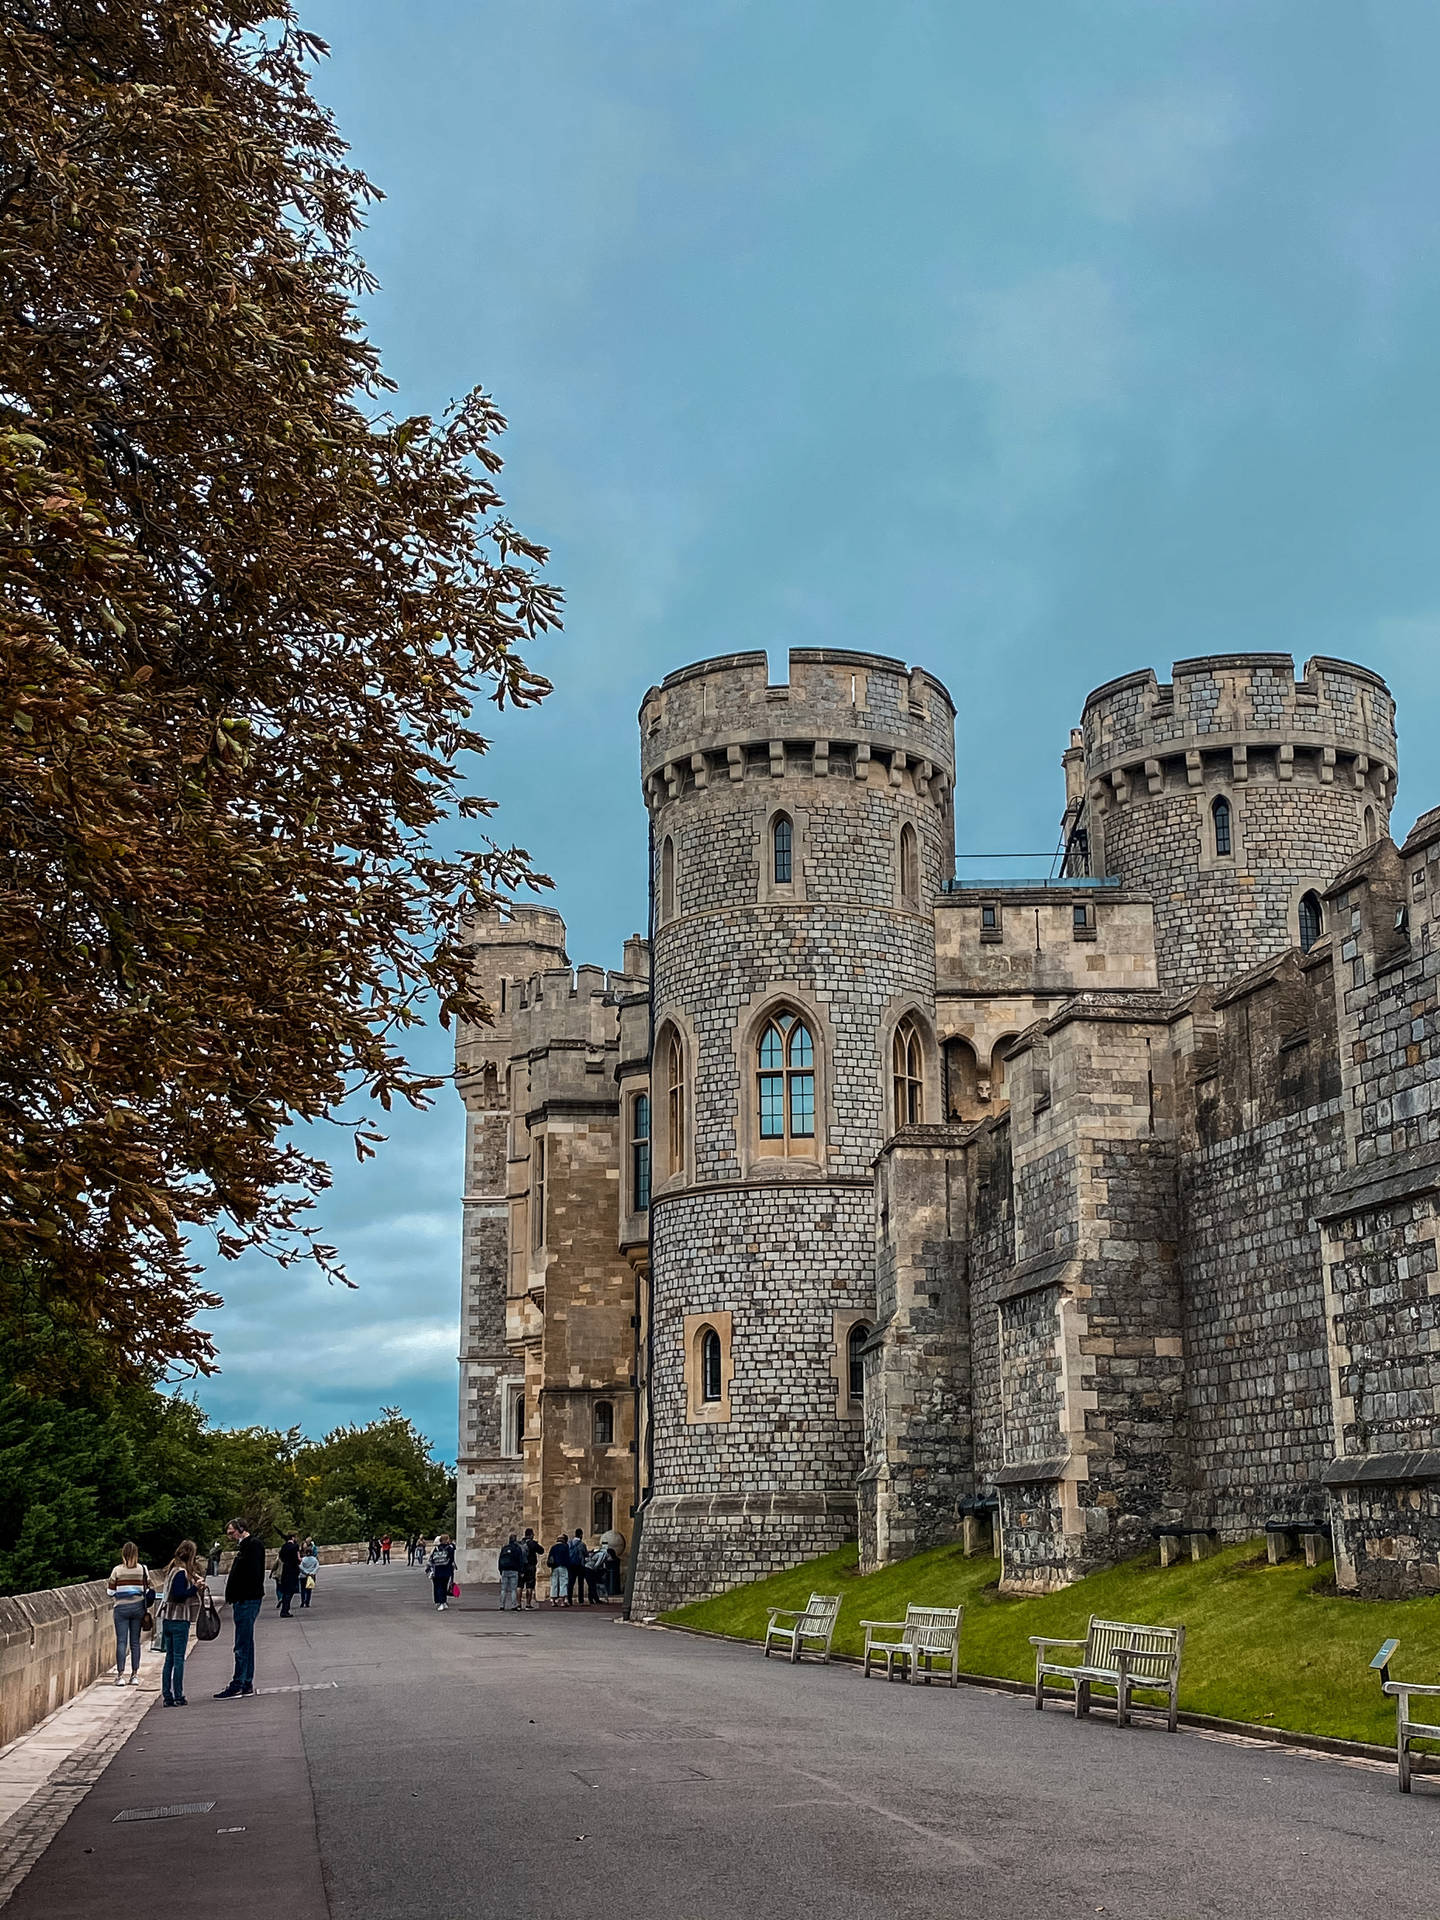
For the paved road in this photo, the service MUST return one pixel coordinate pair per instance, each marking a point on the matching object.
(546, 1765)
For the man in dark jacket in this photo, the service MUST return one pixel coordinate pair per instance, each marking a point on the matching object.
(578, 1554)
(244, 1592)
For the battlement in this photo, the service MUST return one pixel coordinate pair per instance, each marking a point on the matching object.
(1242, 709)
(839, 714)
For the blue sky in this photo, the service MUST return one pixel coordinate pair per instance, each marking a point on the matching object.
(1035, 344)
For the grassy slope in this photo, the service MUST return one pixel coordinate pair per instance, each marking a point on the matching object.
(1260, 1644)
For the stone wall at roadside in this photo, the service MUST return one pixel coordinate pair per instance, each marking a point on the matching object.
(52, 1645)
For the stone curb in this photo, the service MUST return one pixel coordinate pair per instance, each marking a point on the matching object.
(1203, 1722)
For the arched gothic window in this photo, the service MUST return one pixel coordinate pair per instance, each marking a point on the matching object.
(604, 1423)
(667, 878)
(1220, 818)
(859, 1334)
(785, 1085)
(710, 1383)
(909, 866)
(1312, 921)
(962, 1081)
(908, 1065)
(602, 1511)
(1371, 831)
(676, 1096)
(782, 851)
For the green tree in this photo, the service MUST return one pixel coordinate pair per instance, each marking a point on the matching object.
(246, 616)
(383, 1472)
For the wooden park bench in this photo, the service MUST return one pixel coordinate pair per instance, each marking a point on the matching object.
(926, 1641)
(813, 1628)
(1407, 1728)
(1116, 1654)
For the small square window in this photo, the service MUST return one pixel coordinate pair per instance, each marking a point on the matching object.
(989, 919)
(1082, 914)
(1417, 880)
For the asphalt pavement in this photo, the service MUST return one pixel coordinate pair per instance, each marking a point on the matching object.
(539, 1765)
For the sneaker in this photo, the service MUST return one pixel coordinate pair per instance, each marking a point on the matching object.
(182, 1701)
(247, 1689)
(119, 1679)
(167, 1703)
(232, 1692)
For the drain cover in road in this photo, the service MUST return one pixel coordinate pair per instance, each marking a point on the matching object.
(164, 1813)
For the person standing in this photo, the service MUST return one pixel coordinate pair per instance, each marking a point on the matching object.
(128, 1586)
(558, 1561)
(385, 1550)
(577, 1567)
(442, 1570)
(180, 1589)
(512, 1559)
(420, 1554)
(309, 1567)
(289, 1580)
(244, 1593)
(373, 1552)
(530, 1547)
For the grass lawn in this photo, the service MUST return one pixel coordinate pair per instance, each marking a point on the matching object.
(1262, 1643)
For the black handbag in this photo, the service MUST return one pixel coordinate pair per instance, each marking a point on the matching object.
(207, 1621)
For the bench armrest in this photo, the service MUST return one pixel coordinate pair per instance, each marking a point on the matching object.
(1042, 1641)
(1408, 1686)
(786, 1613)
(894, 1625)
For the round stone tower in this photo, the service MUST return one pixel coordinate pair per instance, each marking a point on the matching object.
(1233, 796)
(799, 835)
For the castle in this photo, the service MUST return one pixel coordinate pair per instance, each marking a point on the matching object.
(1061, 1215)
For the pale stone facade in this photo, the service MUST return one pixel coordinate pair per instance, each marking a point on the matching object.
(892, 1205)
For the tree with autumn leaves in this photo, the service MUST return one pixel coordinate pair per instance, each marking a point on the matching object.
(246, 617)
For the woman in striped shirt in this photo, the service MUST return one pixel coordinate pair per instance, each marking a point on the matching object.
(128, 1585)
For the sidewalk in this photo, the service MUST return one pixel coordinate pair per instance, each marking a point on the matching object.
(224, 1782)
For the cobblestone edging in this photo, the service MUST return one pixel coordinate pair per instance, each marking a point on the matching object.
(103, 1719)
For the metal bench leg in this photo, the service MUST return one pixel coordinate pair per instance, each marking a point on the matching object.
(1039, 1693)
(1122, 1703)
(1082, 1699)
(1175, 1707)
(1402, 1754)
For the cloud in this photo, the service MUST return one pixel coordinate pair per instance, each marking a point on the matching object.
(1155, 153)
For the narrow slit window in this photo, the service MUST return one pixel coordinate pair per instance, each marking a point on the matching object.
(909, 866)
(858, 1336)
(604, 1423)
(1312, 921)
(537, 1193)
(710, 1383)
(782, 851)
(640, 1153)
(667, 878)
(675, 1060)
(1220, 815)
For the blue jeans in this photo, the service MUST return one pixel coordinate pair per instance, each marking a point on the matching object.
(128, 1615)
(174, 1633)
(246, 1612)
(508, 1582)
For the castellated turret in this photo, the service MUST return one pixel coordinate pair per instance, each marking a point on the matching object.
(1231, 796)
(800, 834)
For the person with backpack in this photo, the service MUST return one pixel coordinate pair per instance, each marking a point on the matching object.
(578, 1555)
(597, 1574)
(309, 1567)
(130, 1591)
(181, 1588)
(530, 1547)
(287, 1582)
(442, 1570)
(512, 1560)
(558, 1561)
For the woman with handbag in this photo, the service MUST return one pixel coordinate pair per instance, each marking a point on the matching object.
(130, 1589)
(181, 1588)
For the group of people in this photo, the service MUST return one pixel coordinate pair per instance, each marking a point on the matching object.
(577, 1572)
(377, 1552)
(173, 1601)
(139, 1605)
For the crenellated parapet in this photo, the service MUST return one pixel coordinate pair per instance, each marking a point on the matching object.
(1247, 714)
(844, 716)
